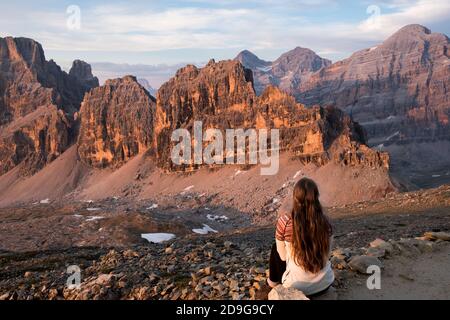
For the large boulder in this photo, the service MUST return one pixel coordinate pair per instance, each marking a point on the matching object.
(362, 263)
(282, 293)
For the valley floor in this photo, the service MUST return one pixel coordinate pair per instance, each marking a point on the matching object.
(36, 248)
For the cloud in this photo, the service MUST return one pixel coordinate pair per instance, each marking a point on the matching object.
(263, 25)
(154, 74)
(420, 12)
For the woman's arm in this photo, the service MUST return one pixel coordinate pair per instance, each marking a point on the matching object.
(281, 248)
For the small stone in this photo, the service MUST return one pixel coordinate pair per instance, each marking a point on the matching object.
(198, 288)
(252, 293)
(233, 285)
(228, 244)
(130, 254)
(237, 296)
(406, 247)
(260, 270)
(52, 294)
(381, 244)
(444, 236)
(340, 253)
(377, 252)
(338, 263)
(170, 269)
(258, 284)
(28, 274)
(4, 296)
(361, 263)
(175, 295)
(168, 250)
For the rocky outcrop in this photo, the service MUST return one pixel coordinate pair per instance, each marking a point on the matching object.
(28, 81)
(287, 72)
(32, 90)
(116, 123)
(219, 95)
(222, 97)
(399, 90)
(41, 138)
(82, 71)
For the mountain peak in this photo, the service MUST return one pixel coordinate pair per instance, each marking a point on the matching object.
(24, 49)
(410, 36)
(83, 72)
(413, 29)
(251, 60)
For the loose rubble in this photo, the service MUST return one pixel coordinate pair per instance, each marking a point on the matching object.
(209, 268)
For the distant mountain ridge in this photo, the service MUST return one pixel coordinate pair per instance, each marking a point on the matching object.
(286, 72)
(399, 90)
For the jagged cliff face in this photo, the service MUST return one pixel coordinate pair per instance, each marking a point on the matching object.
(222, 97)
(218, 95)
(316, 134)
(82, 71)
(398, 90)
(28, 81)
(287, 72)
(41, 137)
(37, 103)
(116, 123)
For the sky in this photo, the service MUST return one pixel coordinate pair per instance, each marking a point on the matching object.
(159, 36)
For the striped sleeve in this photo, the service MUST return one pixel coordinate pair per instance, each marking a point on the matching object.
(282, 223)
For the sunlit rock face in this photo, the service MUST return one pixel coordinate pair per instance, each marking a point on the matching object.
(398, 91)
(221, 96)
(287, 72)
(116, 123)
(37, 104)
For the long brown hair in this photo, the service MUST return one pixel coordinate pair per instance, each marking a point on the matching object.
(311, 228)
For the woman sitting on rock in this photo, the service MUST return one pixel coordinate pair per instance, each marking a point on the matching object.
(300, 257)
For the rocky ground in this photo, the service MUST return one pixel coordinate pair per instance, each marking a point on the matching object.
(231, 264)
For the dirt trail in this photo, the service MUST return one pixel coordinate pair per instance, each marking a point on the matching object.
(425, 276)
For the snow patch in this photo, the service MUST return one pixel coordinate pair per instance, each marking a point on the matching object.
(153, 206)
(186, 190)
(93, 209)
(157, 237)
(264, 69)
(205, 230)
(94, 218)
(216, 218)
(297, 174)
(45, 201)
(393, 136)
